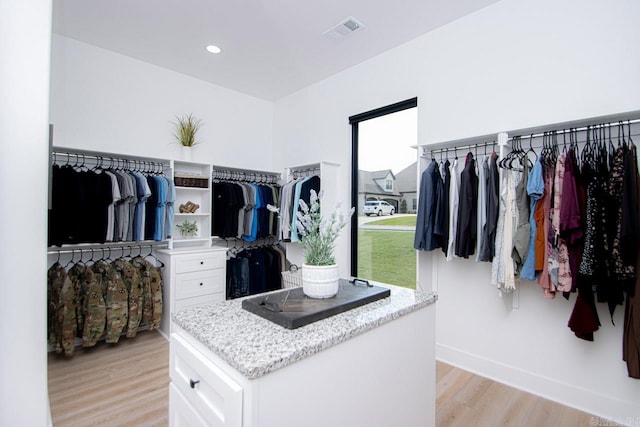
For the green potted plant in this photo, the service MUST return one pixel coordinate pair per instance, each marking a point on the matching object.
(187, 126)
(317, 237)
(188, 228)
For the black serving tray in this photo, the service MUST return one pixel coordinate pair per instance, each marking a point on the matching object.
(291, 309)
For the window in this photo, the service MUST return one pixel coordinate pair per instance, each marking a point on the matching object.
(414, 205)
(381, 150)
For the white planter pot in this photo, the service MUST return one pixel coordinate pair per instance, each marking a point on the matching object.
(320, 281)
(186, 152)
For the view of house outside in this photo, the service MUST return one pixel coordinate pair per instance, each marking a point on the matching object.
(387, 198)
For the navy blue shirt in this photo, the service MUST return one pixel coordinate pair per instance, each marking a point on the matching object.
(430, 192)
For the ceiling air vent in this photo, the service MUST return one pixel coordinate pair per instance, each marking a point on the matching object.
(343, 29)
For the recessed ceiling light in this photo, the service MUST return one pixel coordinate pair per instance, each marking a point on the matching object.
(213, 49)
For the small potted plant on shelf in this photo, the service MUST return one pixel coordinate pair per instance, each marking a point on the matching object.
(187, 127)
(318, 236)
(188, 228)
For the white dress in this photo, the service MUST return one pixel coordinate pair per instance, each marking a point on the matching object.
(497, 266)
(503, 268)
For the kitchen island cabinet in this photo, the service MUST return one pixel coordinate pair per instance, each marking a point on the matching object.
(370, 366)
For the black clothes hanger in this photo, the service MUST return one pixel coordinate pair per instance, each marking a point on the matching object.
(102, 253)
(73, 255)
(620, 128)
(531, 150)
(503, 163)
(153, 257)
(545, 149)
(552, 149)
(587, 154)
(518, 155)
(90, 260)
(515, 152)
(98, 163)
(602, 146)
(574, 141)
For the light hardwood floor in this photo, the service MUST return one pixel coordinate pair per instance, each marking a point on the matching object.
(466, 399)
(126, 384)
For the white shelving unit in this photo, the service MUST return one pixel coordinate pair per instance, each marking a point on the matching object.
(198, 195)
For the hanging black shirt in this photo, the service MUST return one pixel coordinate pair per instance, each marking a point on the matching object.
(468, 207)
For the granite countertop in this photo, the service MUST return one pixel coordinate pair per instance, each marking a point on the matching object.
(255, 346)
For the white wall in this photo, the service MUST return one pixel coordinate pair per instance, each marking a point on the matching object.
(25, 33)
(515, 64)
(104, 101)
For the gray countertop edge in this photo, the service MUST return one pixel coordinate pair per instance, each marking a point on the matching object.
(185, 319)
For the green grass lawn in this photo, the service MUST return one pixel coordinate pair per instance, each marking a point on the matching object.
(409, 221)
(387, 256)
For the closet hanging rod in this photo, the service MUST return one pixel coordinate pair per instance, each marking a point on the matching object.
(234, 174)
(88, 249)
(244, 173)
(256, 177)
(596, 126)
(77, 157)
(561, 142)
(305, 171)
(456, 147)
(224, 169)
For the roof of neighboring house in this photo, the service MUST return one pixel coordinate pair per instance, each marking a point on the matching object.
(367, 183)
(381, 174)
(406, 180)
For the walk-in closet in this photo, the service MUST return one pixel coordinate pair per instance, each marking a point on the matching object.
(118, 238)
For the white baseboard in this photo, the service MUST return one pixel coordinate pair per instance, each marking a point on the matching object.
(585, 400)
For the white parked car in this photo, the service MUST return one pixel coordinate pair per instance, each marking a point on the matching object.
(378, 208)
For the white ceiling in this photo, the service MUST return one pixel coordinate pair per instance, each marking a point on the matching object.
(270, 48)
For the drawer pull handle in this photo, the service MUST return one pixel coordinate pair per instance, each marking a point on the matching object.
(201, 262)
(200, 283)
(193, 382)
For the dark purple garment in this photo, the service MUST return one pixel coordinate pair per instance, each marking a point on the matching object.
(571, 229)
(570, 215)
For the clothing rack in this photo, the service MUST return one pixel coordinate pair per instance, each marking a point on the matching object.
(231, 174)
(101, 249)
(95, 160)
(595, 126)
(234, 243)
(475, 146)
(67, 330)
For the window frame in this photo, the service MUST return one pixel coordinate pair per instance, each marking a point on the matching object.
(354, 121)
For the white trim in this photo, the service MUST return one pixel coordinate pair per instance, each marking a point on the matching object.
(593, 403)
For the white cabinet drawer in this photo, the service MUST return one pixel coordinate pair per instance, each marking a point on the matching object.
(199, 283)
(181, 413)
(200, 262)
(203, 299)
(214, 395)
